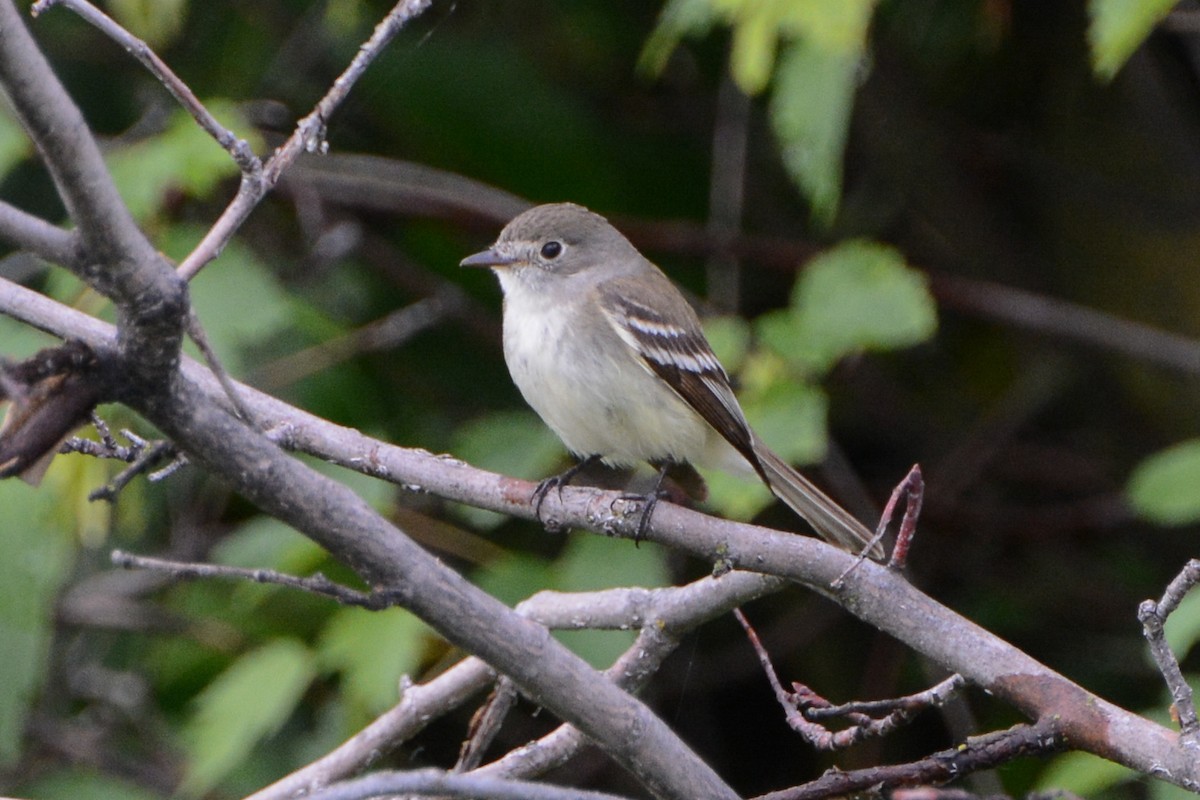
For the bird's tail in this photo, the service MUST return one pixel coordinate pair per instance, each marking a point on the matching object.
(831, 521)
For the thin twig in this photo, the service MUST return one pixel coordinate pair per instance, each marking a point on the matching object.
(1153, 617)
(317, 584)
(388, 332)
(145, 459)
(912, 488)
(976, 754)
(804, 707)
(727, 192)
(309, 136)
(239, 149)
(196, 331)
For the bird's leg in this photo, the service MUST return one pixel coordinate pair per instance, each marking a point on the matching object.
(650, 499)
(558, 482)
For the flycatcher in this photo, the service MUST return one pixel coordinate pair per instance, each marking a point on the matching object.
(612, 357)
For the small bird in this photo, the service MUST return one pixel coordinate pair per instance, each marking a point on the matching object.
(612, 357)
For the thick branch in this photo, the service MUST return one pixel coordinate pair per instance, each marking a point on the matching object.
(34, 234)
(118, 260)
(339, 520)
(668, 612)
(435, 783)
(871, 592)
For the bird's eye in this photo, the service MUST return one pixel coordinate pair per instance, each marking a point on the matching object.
(552, 249)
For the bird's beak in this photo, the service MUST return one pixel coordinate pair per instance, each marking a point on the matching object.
(489, 258)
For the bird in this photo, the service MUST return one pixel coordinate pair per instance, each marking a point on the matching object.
(613, 358)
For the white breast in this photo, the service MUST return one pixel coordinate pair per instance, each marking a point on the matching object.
(590, 387)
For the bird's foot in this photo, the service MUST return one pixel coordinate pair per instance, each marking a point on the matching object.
(649, 501)
(556, 483)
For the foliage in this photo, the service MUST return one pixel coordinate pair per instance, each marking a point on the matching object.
(823, 46)
(1165, 488)
(29, 583)
(260, 690)
(971, 138)
(857, 296)
(1118, 27)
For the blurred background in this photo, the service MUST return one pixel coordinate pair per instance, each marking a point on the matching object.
(960, 234)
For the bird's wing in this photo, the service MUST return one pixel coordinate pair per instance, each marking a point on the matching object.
(670, 344)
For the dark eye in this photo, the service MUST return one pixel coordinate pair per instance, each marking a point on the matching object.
(552, 249)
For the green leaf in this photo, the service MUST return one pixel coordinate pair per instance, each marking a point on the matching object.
(1165, 488)
(78, 782)
(1183, 626)
(752, 57)
(35, 537)
(810, 115)
(730, 340)
(372, 650)
(245, 704)
(735, 497)
(857, 296)
(790, 416)
(514, 577)
(183, 158)
(679, 18)
(237, 298)
(1118, 27)
(815, 80)
(1081, 774)
(157, 22)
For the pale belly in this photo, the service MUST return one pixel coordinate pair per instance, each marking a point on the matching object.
(602, 400)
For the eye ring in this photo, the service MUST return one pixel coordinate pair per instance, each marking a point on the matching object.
(552, 249)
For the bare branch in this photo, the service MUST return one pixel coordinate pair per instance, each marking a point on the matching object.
(663, 615)
(1069, 321)
(1153, 616)
(309, 136)
(146, 460)
(114, 256)
(977, 753)
(873, 593)
(73, 159)
(38, 236)
(804, 709)
(435, 783)
(239, 149)
(316, 584)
